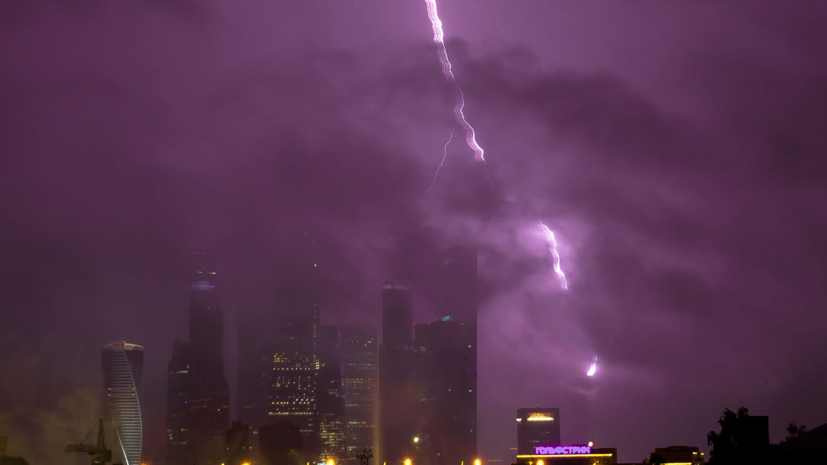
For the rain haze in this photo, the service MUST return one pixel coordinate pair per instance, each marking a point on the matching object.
(675, 149)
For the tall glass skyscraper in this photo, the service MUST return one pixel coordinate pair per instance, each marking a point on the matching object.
(359, 351)
(198, 397)
(122, 366)
(208, 405)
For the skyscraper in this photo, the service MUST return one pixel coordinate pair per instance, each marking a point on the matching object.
(399, 391)
(537, 427)
(255, 366)
(198, 397)
(122, 366)
(178, 386)
(293, 382)
(448, 404)
(459, 293)
(359, 351)
(208, 406)
(331, 395)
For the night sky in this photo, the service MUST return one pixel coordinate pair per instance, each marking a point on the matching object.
(675, 147)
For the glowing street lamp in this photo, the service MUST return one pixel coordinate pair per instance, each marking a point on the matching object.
(416, 439)
(477, 462)
(407, 461)
(330, 462)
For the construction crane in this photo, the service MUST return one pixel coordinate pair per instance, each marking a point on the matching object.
(99, 453)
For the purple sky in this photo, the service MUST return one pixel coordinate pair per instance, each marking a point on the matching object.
(675, 147)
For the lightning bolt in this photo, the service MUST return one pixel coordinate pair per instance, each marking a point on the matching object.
(552, 245)
(470, 134)
(593, 367)
(444, 155)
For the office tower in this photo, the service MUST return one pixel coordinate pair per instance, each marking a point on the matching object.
(122, 366)
(198, 397)
(178, 385)
(448, 405)
(293, 390)
(459, 280)
(537, 427)
(255, 365)
(359, 351)
(397, 315)
(399, 391)
(281, 444)
(208, 406)
(238, 444)
(206, 329)
(331, 395)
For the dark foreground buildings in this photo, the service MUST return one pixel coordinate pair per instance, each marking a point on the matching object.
(238, 444)
(428, 371)
(447, 357)
(281, 444)
(198, 397)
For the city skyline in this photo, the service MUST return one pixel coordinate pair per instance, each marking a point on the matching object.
(642, 182)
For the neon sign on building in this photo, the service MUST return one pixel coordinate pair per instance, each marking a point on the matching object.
(566, 450)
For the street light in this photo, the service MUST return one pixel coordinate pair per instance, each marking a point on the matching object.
(416, 439)
(330, 462)
(540, 462)
(477, 462)
(407, 461)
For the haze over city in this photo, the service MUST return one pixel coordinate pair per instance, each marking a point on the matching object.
(647, 225)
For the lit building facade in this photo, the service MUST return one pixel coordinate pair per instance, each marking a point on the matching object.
(447, 420)
(331, 394)
(569, 455)
(122, 367)
(295, 365)
(359, 351)
(537, 427)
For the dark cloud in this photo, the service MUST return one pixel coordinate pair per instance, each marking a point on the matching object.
(690, 226)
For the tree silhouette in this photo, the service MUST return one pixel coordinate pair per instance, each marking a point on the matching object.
(793, 431)
(728, 446)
